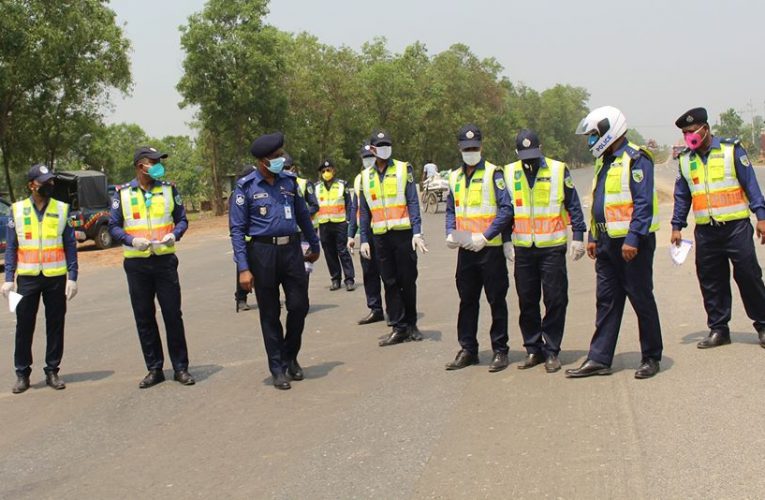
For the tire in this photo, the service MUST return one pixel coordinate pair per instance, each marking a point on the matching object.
(431, 203)
(102, 237)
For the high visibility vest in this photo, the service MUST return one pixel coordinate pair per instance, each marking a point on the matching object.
(387, 199)
(618, 203)
(41, 242)
(152, 223)
(715, 189)
(540, 216)
(356, 191)
(331, 202)
(475, 204)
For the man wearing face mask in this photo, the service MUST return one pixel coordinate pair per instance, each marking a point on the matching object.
(478, 202)
(42, 251)
(334, 213)
(544, 200)
(625, 218)
(369, 267)
(268, 207)
(390, 220)
(717, 179)
(148, 218)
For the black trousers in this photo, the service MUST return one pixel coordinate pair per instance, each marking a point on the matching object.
(334, 237)
(618, 280)
(54, 299)
(541, 273)
(372, 286)
(475, 271)
(717, 247)
(398, 269)
(157, 276)
(274, 266)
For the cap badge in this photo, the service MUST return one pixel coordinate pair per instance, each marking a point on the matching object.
(689, 119)
(152, 150)
(326, 163)
(380, 135)
(43, 170)
(469, 134)
(526, 142)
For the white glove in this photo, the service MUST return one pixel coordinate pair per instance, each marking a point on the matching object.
(576, 251)
(71, 289)
(168, 240)
(478, 242)
(418, 243)
(365, 251)
(141, 244)
(451, 243)
(350, 244)
(509, 250)
(7, 288)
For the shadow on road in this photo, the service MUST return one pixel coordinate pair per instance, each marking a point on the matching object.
(631, 360)
(321, 370)
(318, 307)
(694, 337)
(203, 372)
(73, 378)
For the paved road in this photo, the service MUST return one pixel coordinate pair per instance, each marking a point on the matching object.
(382, 422)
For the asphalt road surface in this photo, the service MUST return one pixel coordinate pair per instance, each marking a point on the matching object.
(383, 422)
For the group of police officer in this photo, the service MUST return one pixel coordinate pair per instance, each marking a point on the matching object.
(519, 213)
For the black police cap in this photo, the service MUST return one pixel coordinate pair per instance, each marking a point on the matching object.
(40, 173)
(326, 163)
(366, 151)
(380, 138)
(527, 145)
(692, 116)
(147, 152)
(264, 145)
(469, 136)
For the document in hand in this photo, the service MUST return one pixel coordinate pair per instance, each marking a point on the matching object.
(13, 300)
(680, 253)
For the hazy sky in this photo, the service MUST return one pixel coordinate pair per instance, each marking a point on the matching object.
(653, 59)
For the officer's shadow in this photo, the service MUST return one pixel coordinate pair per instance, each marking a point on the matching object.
(695, 337)
(312, 371)
(430, 335)
(203, 372)
(622, 361)
(77, 377)
(735, 337)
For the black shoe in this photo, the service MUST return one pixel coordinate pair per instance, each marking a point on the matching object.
(184, 377)
(499, 362)
(761, 334)
(242, 305)
(647, 369)
(53, 380)
(154, 377)
(372, 317)
(588, 369)
(716, 339)
(294, 370)
(415, 333)
(463, 359)
(21, 385)
(334, 286)
(281, 382)
(350, 286)
(552, 364)
(531, 361)
(395, 337)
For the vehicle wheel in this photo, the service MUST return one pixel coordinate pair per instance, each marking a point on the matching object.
(431, 203)
(103, 239)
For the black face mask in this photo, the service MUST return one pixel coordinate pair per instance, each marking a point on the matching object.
(46, 190)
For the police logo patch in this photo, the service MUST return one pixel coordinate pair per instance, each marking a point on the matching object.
(500, 183)
(745, 161)
(469, 134)
(380, 135)
(115, 203)
(309, 188)
(518, 175)
(689, 119)
(11, 223)
(410, 177)
(263, 211)
(27, 210)
(43, 170)
(526, 143)
(637, 175)
(569, 182)
(178, 199)
(240, 199)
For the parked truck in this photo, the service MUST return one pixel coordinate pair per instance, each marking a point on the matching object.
(87, 193)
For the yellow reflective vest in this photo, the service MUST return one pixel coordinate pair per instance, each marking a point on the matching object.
(540, 216)
(41, 242)
(331, 202)
(716, 192)
(387, 199)
(152, 222)
(475, 204)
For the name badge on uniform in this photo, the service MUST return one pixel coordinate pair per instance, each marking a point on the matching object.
(287, 212)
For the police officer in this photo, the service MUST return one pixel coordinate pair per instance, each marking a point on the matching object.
(369, 267)
(307, 192)
(544, 200)
(622, 242)
(717, 179)
(240, 295)
(148, 218)
(268, 208)
(390, 219)
(42, 250)
(334, 213)
(478, 202)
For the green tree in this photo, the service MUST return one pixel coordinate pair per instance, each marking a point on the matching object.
(730, 124)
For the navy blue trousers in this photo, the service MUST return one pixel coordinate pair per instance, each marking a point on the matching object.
(372, 284)
(52, 292)
(334, 238)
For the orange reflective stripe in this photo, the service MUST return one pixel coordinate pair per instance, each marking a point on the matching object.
(392, 211)
(474, 224)
(619, 213)
(719, 199)
(332, 210)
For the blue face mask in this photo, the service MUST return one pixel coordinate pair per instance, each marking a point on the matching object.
(276, 165)
(156, 171)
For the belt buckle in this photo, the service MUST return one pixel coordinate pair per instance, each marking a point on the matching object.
(281, 240)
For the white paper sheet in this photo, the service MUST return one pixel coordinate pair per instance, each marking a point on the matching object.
(13, 300)
(680, 253)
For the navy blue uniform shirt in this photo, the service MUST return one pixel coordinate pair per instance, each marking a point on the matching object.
(258, 208)
(412, 204)
(642, 193)
(744, 173)
(310, 198)
(503, 221)
(12, 242)
(353, 223)
(570, 198)
(116, 219)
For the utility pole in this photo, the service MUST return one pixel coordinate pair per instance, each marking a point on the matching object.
(750, 108)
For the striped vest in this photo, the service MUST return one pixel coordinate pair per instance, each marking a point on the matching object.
(149, 216)
(41, 242)
(387, 199)
(475, 204)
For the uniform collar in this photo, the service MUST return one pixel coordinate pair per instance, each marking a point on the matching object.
(134, 184)
(259, 177)
(620, 151)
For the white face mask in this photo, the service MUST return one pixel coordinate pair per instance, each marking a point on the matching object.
(368, 161)
(383, 152)
(471, 158)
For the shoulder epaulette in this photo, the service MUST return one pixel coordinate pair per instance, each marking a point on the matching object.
(168, 183)
(731, 140)
(121, 186)
(289, 174)
(636, 153)
(247, 178)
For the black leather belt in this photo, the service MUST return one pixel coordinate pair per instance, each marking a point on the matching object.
(716, 223)
(277, 240)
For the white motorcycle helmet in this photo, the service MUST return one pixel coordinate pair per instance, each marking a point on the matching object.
(603, 126)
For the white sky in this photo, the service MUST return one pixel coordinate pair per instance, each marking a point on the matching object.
(653, 59)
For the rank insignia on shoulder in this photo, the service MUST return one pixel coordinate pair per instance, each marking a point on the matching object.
(500, 183)
(745, 161)
(637, 175)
